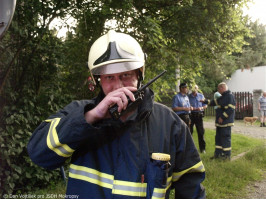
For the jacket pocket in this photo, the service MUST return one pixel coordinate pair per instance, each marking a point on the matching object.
(157, 174)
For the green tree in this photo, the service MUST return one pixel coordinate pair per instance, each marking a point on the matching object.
(40, 73)
(29, 92)
(254, 53)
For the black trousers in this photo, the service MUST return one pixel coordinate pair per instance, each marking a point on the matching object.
(185, 118)
(197, 120)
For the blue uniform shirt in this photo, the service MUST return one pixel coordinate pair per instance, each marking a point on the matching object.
(262, 101)
(180, 100)
(195, 100)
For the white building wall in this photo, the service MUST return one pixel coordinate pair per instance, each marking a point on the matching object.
(248, 80)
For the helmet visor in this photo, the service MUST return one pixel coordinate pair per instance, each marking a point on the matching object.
(118, 67)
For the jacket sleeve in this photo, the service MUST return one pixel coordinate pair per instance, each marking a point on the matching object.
(189, 170)
(209, 102)
(58, 137)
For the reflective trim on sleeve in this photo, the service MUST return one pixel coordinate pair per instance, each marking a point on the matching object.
(231, 106)
(53, 141)
(224, 125)
(169, 182)
(107, 181)
(199, 167)
(158, 193)
(224, 113)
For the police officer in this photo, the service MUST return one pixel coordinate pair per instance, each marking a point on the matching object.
(225, 115)
(197, 115)
(144, 154)
(181, 104)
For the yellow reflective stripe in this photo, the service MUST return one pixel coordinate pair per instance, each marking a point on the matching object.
(53, 141)
(227, 149)
(199, 167)
(224, 149)
(158, 193)
(106, 180)
(224, 113)
(224, 125)
(232, 106)
(229, 105)
(129, 188)
(91, 175)
(93, 171)
(169, 182)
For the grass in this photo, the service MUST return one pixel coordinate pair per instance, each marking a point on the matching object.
(224, 179)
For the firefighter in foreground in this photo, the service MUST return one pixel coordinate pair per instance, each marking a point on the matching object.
(144, 154)
(225, 115)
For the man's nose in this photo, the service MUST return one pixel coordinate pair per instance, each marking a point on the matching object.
(117, 83)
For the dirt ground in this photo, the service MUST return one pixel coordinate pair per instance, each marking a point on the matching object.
(256, 190)
(241, 128)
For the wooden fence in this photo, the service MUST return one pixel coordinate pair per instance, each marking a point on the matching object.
(244, 105)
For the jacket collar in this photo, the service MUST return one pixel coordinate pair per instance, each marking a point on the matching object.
(226, 92)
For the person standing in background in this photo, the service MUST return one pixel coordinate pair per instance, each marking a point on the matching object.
(181, 104)
(262, 109)
(225, 115)
(216, 96)
(197, 115)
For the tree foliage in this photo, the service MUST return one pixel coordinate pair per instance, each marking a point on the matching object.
(40, 73)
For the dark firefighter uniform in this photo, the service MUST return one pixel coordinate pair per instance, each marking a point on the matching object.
(112, 159)
(226, 110)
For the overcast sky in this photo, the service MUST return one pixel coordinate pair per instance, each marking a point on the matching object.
(257, 10)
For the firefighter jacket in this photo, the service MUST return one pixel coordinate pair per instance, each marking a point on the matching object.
(225, 109)
(112, 159)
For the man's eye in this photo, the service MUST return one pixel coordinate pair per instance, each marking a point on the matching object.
(126, 75)
(109, 78)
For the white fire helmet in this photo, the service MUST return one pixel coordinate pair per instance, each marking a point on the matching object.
(115, 53)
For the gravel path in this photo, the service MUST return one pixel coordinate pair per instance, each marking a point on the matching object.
(252, 131)
(257, 190)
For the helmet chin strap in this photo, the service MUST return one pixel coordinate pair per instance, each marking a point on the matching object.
(140, 78)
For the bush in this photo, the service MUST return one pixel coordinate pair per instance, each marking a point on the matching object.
(18, 174)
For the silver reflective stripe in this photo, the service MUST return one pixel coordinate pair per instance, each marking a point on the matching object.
(60, 148)
(91, 175)
(129, 188)
(107, 181)
(199, 167)
(158, 193)
(53, 142)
